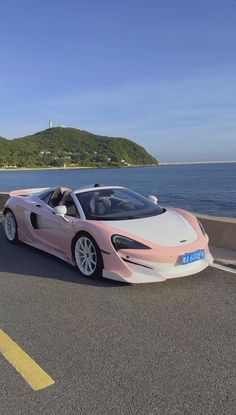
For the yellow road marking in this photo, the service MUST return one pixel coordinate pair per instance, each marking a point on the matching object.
(28, 369)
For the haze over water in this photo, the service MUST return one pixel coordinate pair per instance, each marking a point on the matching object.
(208, 188)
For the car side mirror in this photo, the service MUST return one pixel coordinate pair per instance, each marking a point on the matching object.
(153, 199)
(60, 210)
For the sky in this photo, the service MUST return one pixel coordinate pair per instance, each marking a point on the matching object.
(162, 73)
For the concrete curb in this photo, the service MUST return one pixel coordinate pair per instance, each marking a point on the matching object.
(221, 231)
(223, 256)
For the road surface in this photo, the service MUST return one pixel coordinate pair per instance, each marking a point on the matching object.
(163, 349)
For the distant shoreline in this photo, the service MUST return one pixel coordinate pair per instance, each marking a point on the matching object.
(45, 168)
(176, 163)
(182, 163)
(73, 168)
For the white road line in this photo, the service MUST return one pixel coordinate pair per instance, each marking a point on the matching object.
(224, 268)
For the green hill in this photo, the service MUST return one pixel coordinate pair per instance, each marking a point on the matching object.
(59, 146)
(3, 149)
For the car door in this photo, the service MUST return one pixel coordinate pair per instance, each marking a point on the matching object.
(51, 232)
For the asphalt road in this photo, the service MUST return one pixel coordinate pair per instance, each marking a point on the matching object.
(163, 349)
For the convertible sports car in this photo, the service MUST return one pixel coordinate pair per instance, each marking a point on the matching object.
(109, 231)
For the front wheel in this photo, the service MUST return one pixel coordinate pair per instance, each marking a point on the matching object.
(10, 227)
(88, 256)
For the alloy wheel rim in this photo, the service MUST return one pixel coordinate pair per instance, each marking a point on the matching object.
(10, 226)
(85, 255)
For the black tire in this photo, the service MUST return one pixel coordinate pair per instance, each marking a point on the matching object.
(11, 231)
(94, 270)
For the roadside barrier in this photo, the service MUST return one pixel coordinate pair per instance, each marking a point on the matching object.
(221, 230)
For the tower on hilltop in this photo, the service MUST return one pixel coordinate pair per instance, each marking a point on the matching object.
(50, 124)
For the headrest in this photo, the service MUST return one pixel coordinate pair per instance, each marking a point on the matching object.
(100, 205)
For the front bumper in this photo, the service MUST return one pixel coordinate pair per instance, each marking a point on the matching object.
(148, 271)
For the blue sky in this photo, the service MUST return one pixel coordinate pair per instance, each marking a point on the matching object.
(162, 73)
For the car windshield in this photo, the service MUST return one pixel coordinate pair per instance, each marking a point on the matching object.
(116, 204)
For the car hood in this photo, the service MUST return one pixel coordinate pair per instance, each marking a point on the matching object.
(167, 229)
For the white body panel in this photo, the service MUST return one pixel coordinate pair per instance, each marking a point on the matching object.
(161, 272)
(167, 229)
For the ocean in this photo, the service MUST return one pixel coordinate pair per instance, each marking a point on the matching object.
(203, 188)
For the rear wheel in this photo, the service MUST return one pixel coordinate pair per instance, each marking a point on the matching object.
(10, 226)
(88, 256)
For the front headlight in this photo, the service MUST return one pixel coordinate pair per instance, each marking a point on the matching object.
(122, 242)
(202, 227)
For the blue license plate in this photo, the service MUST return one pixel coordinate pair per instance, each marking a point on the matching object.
(193, 256)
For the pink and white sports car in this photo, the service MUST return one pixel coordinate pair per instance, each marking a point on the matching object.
(109, 231)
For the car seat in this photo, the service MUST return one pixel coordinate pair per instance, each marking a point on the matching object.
(100, 205)
(56, 197)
